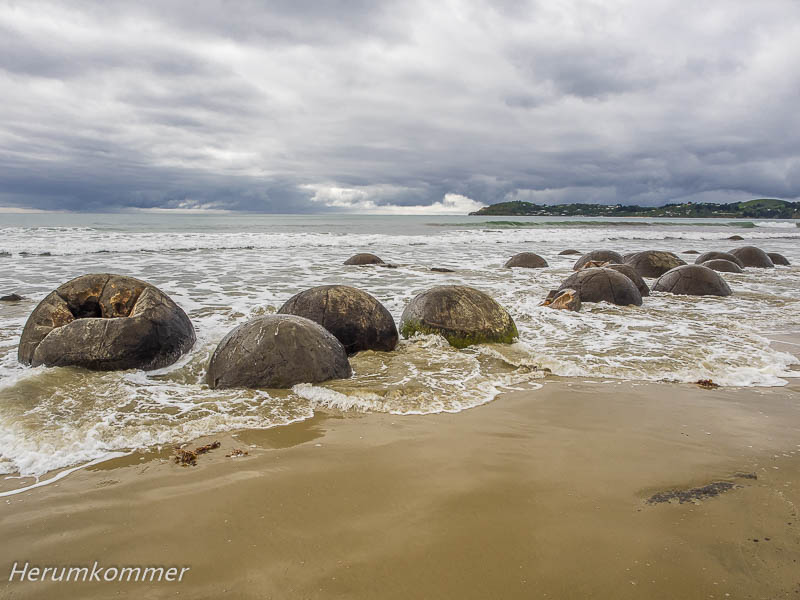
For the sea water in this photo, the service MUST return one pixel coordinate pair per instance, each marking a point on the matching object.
(225, 269)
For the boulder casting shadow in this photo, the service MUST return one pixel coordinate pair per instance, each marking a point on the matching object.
(277, 351)
(354, 317)
(462, 315)
(106, 322)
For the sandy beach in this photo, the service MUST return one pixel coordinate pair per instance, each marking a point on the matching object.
(539, 494)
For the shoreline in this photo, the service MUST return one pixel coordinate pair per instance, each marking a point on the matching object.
(538, 492)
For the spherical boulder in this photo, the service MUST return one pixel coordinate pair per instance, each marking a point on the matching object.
(599, 284)
(365, 258)
(277, 351)
(722, 265)
(692, 280)
(569, 252)
(631, 274)
(602, 256)
(354, 317)
(706, 256)
(750, 256)
(779, 259)
(463, 315)
(529, 260)
(106, 322)
(653, 263)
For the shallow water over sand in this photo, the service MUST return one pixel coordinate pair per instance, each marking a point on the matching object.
(224, 270)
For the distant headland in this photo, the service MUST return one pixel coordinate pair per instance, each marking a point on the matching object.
(761, 208)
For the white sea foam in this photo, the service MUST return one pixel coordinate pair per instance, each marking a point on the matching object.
(55, 418)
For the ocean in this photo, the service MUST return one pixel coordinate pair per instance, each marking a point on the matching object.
(224, 269)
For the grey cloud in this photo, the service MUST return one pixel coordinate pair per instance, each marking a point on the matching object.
(253, 106)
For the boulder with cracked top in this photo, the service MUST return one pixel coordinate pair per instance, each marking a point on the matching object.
(353, 316)
(600, 284)
(750, 256)
(692, 280)
(106, 322)
(277, 351)
(706, 256)
(653, 263)
(566, 299)
(722, 265)
(601, 256)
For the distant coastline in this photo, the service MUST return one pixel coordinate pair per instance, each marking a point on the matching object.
(761, 208)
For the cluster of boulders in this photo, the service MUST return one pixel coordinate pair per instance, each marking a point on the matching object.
(108, 322)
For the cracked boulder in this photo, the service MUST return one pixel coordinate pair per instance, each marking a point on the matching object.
(462, 315)
(106, 322)
(750, 256)
(707, 256)
(722, 265)
(598, 256)
(277, 351)
(528, 260)
(354, 317)
(631, 274)
(599, 284)
(653, 263)
(692, 280)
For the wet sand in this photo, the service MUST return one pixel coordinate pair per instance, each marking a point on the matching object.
(539, 494)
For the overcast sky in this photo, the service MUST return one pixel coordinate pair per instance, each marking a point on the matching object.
(295, 106)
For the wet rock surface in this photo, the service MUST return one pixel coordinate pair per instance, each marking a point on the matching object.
(277, 351)
(600, 284)
(706, 256)
(528, 260)
(653, 263)
(462, 315)
(778, 259)
(106, 322)
(353, 316)
(364, 258)
(631, 274)
(750, 256)
(723, 266)
(692, 280)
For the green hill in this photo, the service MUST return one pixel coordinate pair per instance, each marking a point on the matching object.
(761, 208)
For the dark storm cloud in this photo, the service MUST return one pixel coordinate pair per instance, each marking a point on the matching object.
(300, 106)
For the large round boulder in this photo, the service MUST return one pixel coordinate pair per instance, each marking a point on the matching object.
(528, 260)
(600, 256)
(354, 317)
(722, 265)
(706, 256)
(778, 259)
(463, 315)
(106, 322)
(599, 284)
(277, 351)
(653, 263)
(692, 280)
(365, 258)
(631, 274)
(750, 256)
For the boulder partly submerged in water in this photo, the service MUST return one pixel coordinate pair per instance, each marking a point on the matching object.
(528, 260)
(653, 263)
(277, 351)
(692, 280)
(569, 252)
(566, 299)
(597, 256)
(599, 284)
(706, 256)
(722, 265)
(750, 256)
(365, 258)
(631, 274)
(779, 259)
(106, 322)
(354, 317)
(462, 315)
